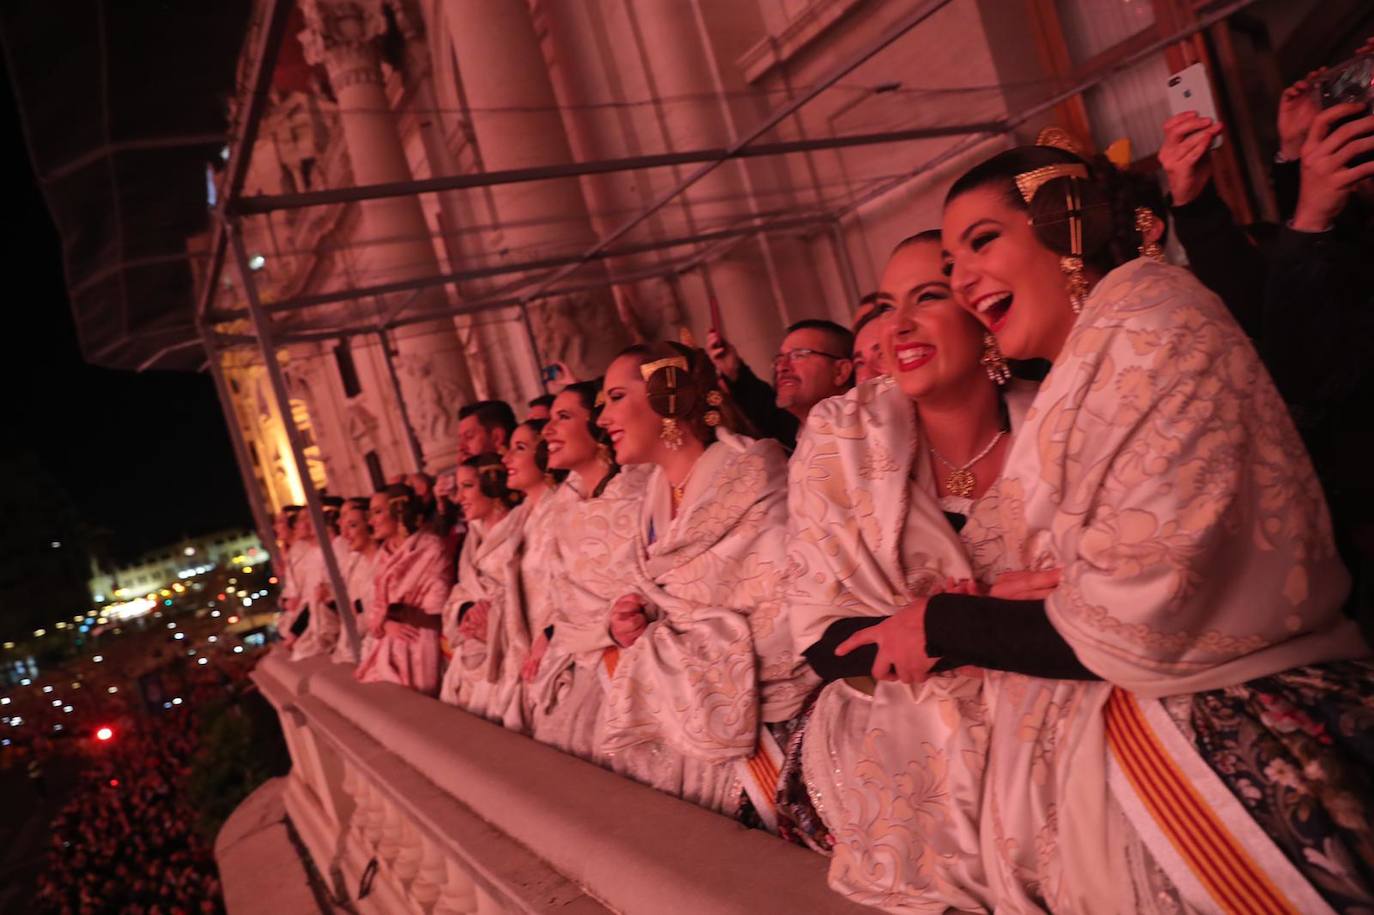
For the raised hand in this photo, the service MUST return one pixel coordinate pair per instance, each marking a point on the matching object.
(1187, 138)
(1328, 175)
(723, 356)
(1298, 108)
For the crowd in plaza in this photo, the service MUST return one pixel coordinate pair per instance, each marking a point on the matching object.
(128, 839)
(1041, 585)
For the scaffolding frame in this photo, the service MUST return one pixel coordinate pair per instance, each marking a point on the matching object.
(549, 273)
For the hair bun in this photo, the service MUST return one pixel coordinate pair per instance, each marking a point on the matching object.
(1055, 206)
(675, 382)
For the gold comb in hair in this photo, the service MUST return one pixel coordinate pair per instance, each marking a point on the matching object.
(1058, 138)
(1030, 182)
(677, 362)
(600, 399)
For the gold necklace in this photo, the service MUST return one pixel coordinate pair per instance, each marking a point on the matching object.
(677, 495)
(961, 482)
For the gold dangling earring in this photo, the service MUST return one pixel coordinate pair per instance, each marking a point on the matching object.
(670, 433)
(1144, 222)
(993, 362)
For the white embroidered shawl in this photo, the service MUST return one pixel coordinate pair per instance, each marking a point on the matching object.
(1160, 470)
(718, 652)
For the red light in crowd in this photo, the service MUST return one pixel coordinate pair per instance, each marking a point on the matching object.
(219, 597)
(104, 733)
(114, 783)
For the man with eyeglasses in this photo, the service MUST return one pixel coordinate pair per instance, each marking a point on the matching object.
(814, 362)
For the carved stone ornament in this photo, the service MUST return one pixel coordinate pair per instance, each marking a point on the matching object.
(340, 34)
(431, 401)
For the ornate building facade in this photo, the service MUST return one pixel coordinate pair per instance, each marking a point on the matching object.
(553, 179)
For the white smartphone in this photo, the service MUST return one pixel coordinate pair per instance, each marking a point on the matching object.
(1190, 90)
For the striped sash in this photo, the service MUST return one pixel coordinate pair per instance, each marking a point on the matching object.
(1197, 830)
(759, 774)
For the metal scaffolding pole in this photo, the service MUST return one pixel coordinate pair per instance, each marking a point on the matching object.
(262, 328)
(277, 14)
(417, 454)
(267, 203)
(576, 260)
(262, 517)
(846, 264)
(540, 382)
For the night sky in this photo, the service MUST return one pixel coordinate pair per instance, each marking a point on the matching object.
(145, 457)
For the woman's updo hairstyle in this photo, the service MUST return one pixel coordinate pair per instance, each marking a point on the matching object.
(403, 506)
(491, 478)
(684, 389)
(589, 394)
(541, 450)
(1055, 185)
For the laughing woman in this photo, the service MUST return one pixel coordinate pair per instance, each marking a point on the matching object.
(706, 657)
(883, 480)
(409, 586)
(488, 642)
(1162, 474)
(1220, 750)
(567, 673)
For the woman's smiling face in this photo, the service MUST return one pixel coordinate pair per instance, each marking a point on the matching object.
(931, 345)
(1004, 276)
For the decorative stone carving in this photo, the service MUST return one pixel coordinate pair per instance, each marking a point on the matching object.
(362, 427)
(432, 400)
(340, 34)
(579, 330)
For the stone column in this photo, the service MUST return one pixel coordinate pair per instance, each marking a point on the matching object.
(341, 35)
(653, 48)
(516, 122)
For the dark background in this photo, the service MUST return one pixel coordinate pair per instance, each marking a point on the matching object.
(144, 458)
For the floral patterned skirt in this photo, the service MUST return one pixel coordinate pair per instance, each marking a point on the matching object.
(1297, 750)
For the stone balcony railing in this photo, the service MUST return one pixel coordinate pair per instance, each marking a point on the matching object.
(404, 804)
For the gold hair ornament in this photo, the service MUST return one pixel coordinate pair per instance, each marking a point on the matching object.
(600, 400)
(1072, 265)
(677, 362)
(1057, 137)
(1030, 182)
(1144, 222)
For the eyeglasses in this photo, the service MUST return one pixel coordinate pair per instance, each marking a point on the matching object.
(792, 355)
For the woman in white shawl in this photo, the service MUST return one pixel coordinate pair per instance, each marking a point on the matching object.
(410, 583)
(287, 559)
(569, 668)
(528, 473)
(1220, 758)
(322, 624)
(359, 572)
(883, 479)
(706, 657)
(483, 621)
